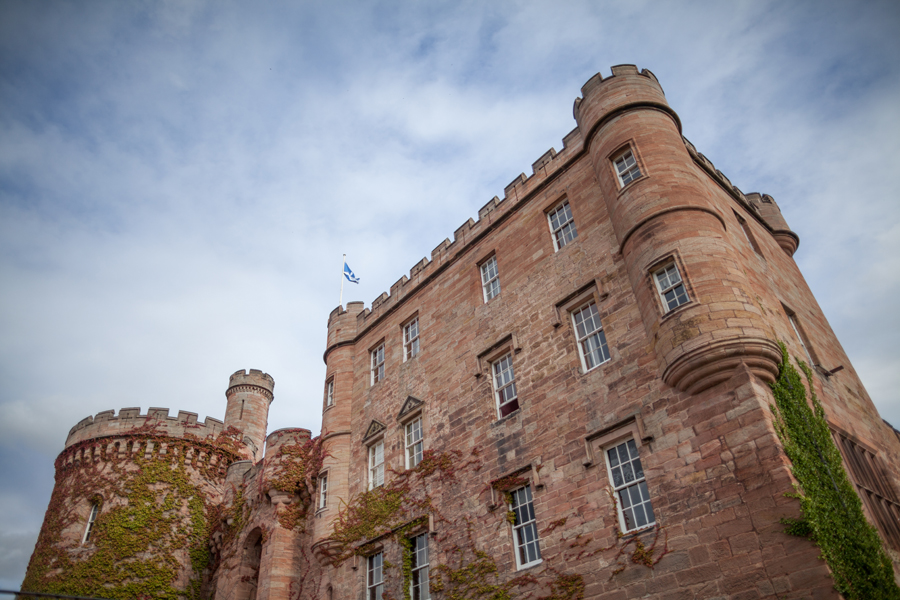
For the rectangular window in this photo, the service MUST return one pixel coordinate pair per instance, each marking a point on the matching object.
(748, 235)
(490, 279)
(630, 487)
(627, 168)
(377, 364)
(375, 579)
(525, 533)
(376, 465)
(95, 508)
(414, 443)
(329, 393)
(419, 584)
(562, 225)
(505, 386)
(792, 319)
(411, 339)
(323, 490)
(591, 339)
(670, 286)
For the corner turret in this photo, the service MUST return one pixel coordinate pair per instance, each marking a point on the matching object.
(249, 395)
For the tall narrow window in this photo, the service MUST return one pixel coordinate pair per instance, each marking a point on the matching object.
(323, 490)
(630, 487)
(748, 235)
(670, 286)
(329, 393)
(490, 279)
(793, 319)
(627, 168)
(376, 465)
(411, 339)
(505, 385)
(525, 533)
(377, 364)
(375, 580)
(95, 509)
(591, 339)
(414, 443)
(419, 584)
(562, 225)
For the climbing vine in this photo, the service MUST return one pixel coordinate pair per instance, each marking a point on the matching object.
(832, 515)
(296, 472)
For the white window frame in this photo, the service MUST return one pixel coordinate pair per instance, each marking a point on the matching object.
(323, 490)
(670, 285)
(419, 588)
(329, 393)
(92, 516)
(793, 319)
(490, 279)
(375, 576)
(563, 230)
(415, 442)
(625, 485)
(627, 171)
(590, 336)
(377, 364)
(522, 505)
(503, 383)
(376, 464)
(411, 345)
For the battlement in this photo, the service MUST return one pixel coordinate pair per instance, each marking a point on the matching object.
(604, 96)
(107, 423)
(254, 377)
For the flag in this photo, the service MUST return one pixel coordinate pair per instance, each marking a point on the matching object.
(349, 274)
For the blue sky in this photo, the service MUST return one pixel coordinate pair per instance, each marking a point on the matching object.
(178, 180)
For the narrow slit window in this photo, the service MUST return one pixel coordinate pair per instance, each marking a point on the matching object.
(793, 319)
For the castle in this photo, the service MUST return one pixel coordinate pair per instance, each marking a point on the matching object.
(569, 400)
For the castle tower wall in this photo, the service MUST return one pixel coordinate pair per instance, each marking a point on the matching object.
(669, 216)
(249, 395)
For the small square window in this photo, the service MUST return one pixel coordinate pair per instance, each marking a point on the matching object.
(525, 532)
(630, 487)
(415, 444)
(377, 364)
(411, 339)
(591, 339)
(671, 287)
(627, 168)
(419, 589)
(490, 279)
(562, 225)
(376, 465)
(323, 490)
(375, 578)
(505, 385)
(329, 393)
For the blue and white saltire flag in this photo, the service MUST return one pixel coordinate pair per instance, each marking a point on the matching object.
(349, 274)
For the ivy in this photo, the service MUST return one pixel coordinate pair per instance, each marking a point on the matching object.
(832, 515)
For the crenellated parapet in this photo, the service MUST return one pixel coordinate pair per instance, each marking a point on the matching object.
(107, 423)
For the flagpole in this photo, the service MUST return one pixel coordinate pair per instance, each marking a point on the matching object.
(342, 281)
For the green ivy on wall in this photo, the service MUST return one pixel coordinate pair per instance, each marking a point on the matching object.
(832, 514)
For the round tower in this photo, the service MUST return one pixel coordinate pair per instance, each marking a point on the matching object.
(249, 395)
(667, 218)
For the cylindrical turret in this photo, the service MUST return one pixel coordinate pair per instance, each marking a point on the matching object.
(249, 396)
(667, 219)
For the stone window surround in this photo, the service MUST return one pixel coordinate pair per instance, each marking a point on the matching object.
(508, 344)
(322, 494)
(655, 265)
(589, 292)
(329, 392)
(628, 145)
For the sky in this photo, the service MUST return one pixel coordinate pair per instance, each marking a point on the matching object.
(179, 180)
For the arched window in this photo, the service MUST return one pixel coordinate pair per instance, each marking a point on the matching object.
(95, 509)
(250, 566)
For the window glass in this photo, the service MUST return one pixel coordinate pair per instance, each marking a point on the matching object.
(562, 225)
(490, 280)
(411, 339)
(414, 443)
(630, 487)
(419, 566)
(525, 533)
(627, 168)
(377, 364)
(591, 339)
(376, 465)
(505, 385)
(671, 287)
(375, 579)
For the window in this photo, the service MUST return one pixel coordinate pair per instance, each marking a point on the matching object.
(377, 364)
(329, 393)
(411, 339)
(627, 168)
(591, 339)
(670, 286)
(630, 487)
(793, 319)
(323, 490)
(414, 443)
(748, 235)
(376, 465)
(95, 508)
(419, 584)
(562, 225)
(505, 385)
(375, 581)
(525, 533)
(490, 280)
